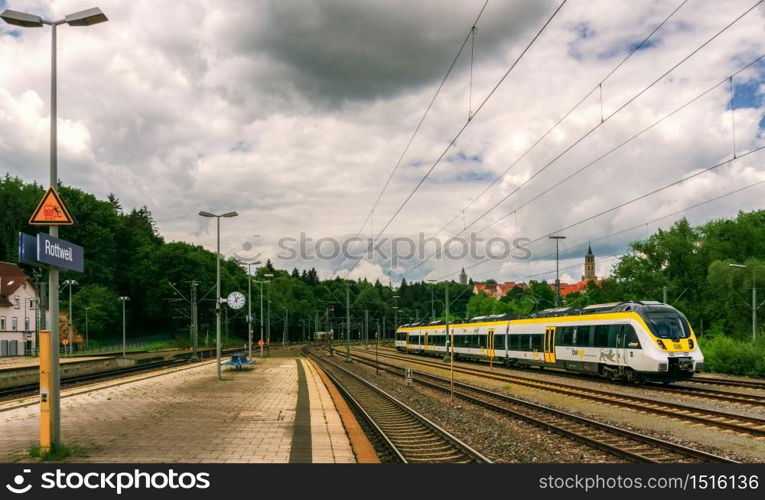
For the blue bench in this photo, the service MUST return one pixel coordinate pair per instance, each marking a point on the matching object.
(239, 361)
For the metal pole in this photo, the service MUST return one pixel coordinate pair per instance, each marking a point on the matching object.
(284, 330)
(86, 327)
(261, 319)
(347, 323)
(451, 344)
(194, 321)
(366, 328)
(217, 301)
(754, 306)
(664, 294)
(268, 320)
(71, 320)
(55, 386)
(124, 337)
(249, 311)
(432, 305)
(377, 346)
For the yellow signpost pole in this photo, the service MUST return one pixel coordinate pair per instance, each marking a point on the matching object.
(46, 383)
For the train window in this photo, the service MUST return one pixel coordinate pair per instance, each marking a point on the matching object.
(601, 336)
(582, 337)
(536, 342)
(499, 341)
(565, 336)
(631, 337)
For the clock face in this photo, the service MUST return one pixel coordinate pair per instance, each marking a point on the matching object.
(235, 300)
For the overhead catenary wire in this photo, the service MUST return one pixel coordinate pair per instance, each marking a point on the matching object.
(614, 113)
(623, 204)
(462, 129)
(596, 127)
(643, 224)
(568, 113)
(419, 125)
(622, 144)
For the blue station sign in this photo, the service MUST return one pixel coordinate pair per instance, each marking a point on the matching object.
(60, 253)
(51, 251)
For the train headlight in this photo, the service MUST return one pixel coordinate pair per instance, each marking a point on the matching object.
(661, 344)
(690, 344)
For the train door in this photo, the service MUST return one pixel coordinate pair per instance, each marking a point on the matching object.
(490, 351)
(621, 347)
(490, 344)
(549, 344)
(425, 342)
(406, 342)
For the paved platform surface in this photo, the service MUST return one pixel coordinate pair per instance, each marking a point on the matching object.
(278, 412)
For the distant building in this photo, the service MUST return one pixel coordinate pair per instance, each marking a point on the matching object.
(589, 266)
(499, 290)
(463, 277)
(18, 311)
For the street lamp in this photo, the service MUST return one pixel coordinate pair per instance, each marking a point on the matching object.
(284, 331)
(25, 20)
(557, 276)
(249, 306)
(217, 284)
(123, 299)
(86, 327)
(70, 283)
(755, 306)
(269, 275)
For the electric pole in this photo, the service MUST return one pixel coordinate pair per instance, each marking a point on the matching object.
(347, 323)
(194, 321)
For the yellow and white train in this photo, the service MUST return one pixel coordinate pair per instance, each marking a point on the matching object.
(633, 341)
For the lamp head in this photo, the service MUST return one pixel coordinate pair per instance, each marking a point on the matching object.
(22, 19)
(86, 17)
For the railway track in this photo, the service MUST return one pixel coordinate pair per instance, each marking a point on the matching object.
(754, 384)
(631, 446)
(27, 389)
(403, 434)
(699, 392)
(750, 426)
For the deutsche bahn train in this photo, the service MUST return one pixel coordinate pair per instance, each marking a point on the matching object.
(631, 341)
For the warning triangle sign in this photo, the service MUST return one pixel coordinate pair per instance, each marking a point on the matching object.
(51, 211)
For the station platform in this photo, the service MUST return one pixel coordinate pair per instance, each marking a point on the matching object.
(279, 411)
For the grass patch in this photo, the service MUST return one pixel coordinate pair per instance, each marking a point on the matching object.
(55, 453)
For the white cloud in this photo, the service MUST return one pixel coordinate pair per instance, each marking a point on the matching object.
(294, 114)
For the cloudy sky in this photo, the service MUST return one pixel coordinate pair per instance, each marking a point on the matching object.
(295, 113)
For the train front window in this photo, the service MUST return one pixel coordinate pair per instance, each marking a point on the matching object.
(667, 323)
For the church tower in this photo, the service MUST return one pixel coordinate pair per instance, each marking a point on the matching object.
(589, 265)
(463, 277)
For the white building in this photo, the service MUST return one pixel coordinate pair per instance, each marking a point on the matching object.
(18, 311)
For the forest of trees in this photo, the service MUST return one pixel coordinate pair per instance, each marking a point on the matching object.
(691, 262)
(126, 255)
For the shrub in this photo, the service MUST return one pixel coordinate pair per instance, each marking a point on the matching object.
(726, 355)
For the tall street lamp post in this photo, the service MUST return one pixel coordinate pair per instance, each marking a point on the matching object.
(86, 328)
(123, 299)
(249, 306)
(24, 20)
(755, 306)
(261, 310)
(217, 284)
(284, 331)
